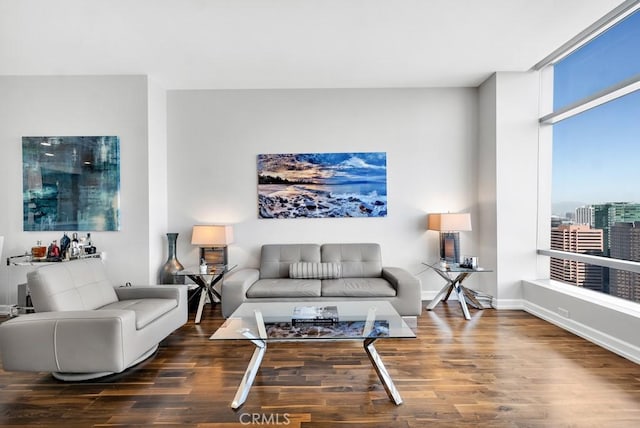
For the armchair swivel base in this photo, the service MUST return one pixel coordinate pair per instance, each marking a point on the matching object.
(79, 377)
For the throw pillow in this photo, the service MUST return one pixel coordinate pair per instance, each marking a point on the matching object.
(309, 270)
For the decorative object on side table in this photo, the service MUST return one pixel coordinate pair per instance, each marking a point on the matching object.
(449, 225)
(53, 252)
(469, 262)
(39, 251)
(172, 265)
(213, 241)
(65, 243)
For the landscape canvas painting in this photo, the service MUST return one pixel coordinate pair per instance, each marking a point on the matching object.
(71, 183)
(320, 185)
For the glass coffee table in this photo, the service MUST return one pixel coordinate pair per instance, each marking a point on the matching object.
(266, 322)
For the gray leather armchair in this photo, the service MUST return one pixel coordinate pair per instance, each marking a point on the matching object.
(84, 327)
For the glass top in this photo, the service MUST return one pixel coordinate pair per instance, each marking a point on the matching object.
(454, 267)
(213, 270)
(28, 259)
(274, 321)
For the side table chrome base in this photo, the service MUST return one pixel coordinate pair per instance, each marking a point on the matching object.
(206, 283)
(454, 285)
(446, 290)
(465, 295)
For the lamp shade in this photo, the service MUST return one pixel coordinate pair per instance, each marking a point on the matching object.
(448, 222)
(211, 235)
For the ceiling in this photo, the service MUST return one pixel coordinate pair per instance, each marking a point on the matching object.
(230, 44)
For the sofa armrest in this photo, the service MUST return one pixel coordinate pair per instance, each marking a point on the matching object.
(177, 292)
(408, 288)
(78, 341)
(234, 288)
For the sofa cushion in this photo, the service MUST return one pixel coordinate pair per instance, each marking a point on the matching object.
(314, 270)
(71, 286)
(146, 310)
(276, 258)
(357, 287)
(285, 287)
(357, 260)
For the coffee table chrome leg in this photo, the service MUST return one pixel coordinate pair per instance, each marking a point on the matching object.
(381, 370)
(249, 374)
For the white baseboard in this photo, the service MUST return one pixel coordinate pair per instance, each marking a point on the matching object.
(624, 349)
(508, 304)
(495, 303)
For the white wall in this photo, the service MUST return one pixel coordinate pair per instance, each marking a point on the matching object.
(508, 183)
(486, 185)
(157, 159)
(513, 194)
(429, 136)
(213, 138)
(100, 105)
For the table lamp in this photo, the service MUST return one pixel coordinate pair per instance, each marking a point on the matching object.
(449, 225)
(213, 241)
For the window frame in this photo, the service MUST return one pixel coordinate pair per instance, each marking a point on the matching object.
(548, 118)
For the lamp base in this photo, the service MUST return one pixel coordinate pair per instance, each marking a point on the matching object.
(450, 247)
(215, 257)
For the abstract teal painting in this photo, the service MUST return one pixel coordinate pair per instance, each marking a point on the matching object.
(320, 185)
(71, 183)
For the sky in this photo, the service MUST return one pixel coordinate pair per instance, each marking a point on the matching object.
(596, 155)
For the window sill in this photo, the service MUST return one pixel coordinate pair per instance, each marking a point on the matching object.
(615, 303)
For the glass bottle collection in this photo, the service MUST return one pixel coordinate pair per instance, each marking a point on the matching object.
(69, 248)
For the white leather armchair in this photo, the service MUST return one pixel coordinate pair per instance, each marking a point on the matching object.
(84, 327)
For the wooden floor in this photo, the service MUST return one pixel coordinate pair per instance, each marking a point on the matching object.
(500, 369)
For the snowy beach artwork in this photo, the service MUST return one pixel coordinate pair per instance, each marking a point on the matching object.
(319, 185)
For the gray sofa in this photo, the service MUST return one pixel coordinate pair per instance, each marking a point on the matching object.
(84, 327)
(328, 272)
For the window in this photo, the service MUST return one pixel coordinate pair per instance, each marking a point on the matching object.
(596, 161)
(605, 61)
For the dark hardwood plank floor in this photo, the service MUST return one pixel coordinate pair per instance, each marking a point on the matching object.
(500, 369)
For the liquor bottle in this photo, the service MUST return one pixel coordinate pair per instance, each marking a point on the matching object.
(53, 253)
(39, 251)
(65, 243)
(89, 248)
(75, 246)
